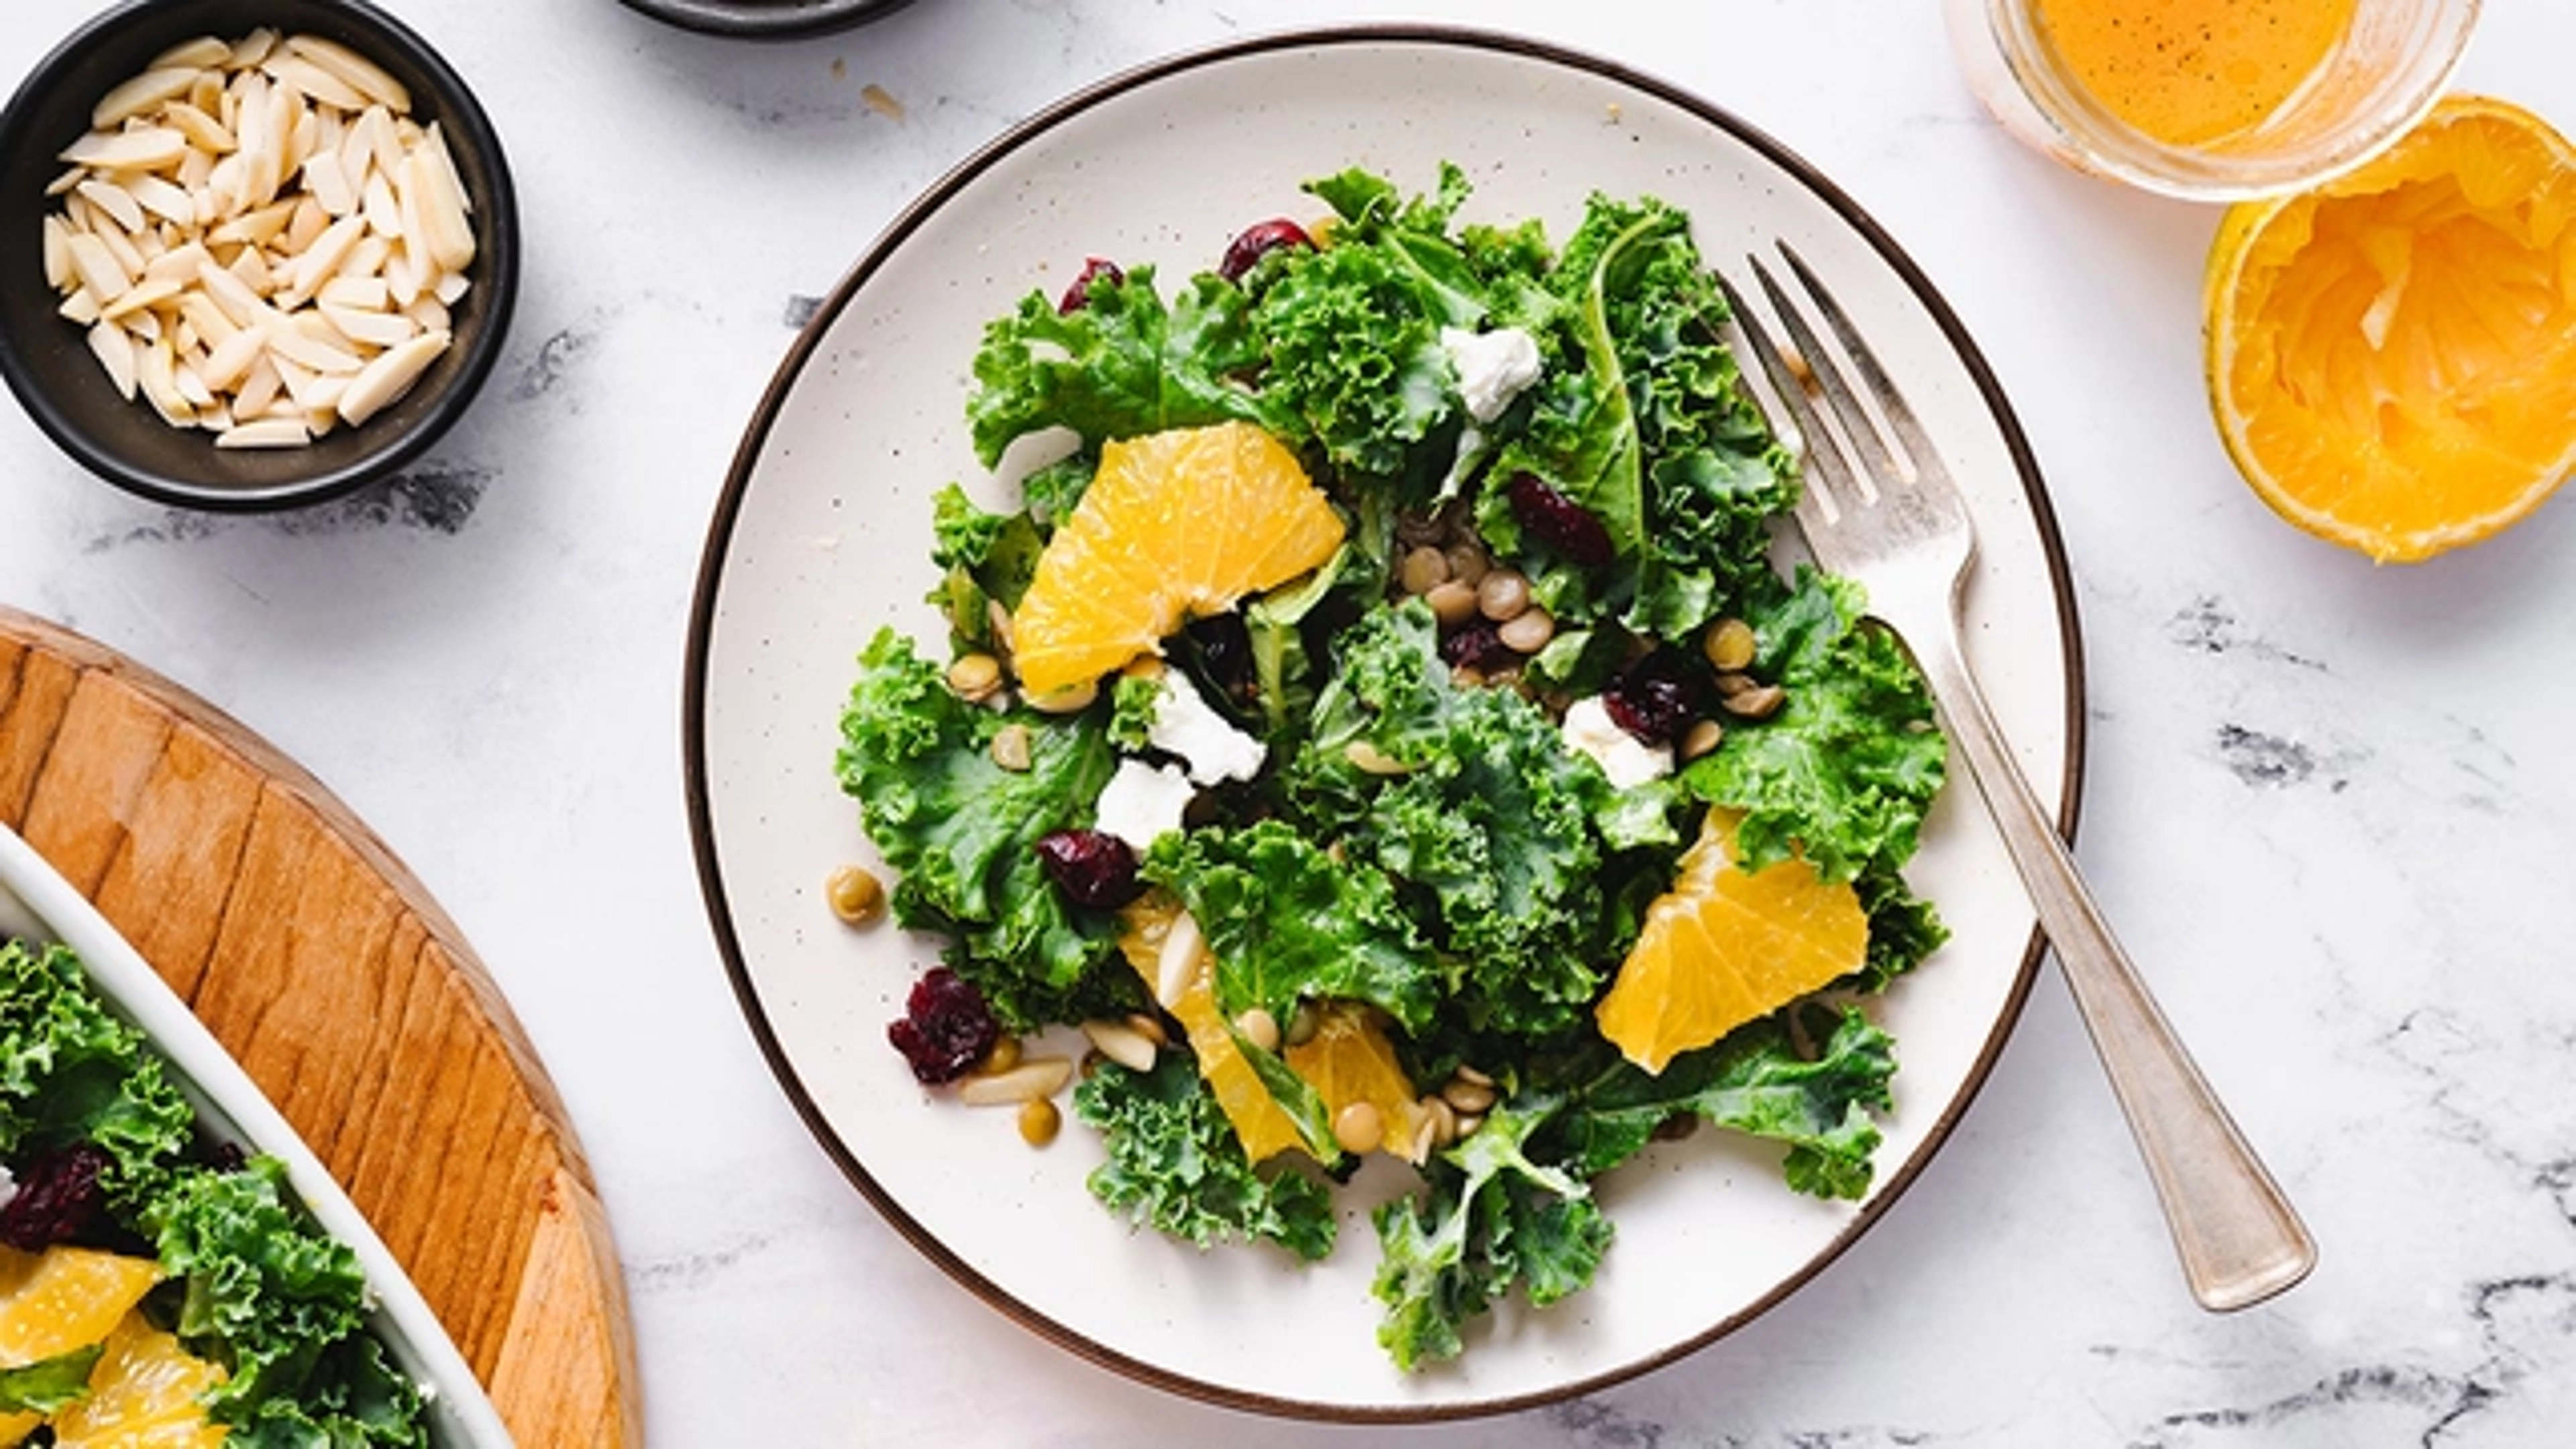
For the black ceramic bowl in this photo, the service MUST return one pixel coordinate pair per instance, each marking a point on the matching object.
(766, 19)
(47, 360)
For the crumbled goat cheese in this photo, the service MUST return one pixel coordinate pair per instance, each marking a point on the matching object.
(1492, 367)
(1589, 730)
(1188, 726)
(1143, 801)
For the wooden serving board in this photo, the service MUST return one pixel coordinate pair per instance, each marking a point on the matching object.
(318, 959)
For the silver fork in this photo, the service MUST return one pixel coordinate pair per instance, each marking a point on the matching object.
(1880, 507)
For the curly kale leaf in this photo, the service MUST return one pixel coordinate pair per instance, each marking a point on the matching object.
(1653, 434)
(1353, 342)
(962, 831)
(1903, 927)
(1495, 1218)
(281, 1308)
(1471, 799)
(1845, 770)
(1752, 1081)
(71, 1072)
(1174, 1164)
(1286, 922)
(1122, 366)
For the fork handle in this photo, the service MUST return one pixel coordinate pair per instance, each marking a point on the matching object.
(2240, 1240)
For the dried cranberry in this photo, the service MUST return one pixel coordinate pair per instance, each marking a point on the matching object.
(1078, 296)
(1559, 522)
(58, 1194)
(1257, 241)
(946, 1029)
(1478, 644)
(1653, 699)
(1093, 868)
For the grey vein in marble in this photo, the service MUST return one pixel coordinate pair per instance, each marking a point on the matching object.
(555, 358)
(2206, 625)
(437, 497)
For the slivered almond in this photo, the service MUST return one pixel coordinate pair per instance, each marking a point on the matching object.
(1033, 1078)
(259, 387)
(145, 149)
(318, 262)
(313, 81)
(384, 214)
(79, 307)
(140, 297)
(429, 181)
(429, 312)
(214, 329)
(291, 341)
(366, 262)
(356, 69)
(253, 48)
(1177, 962)
(98, 268)
(390, 375)
(194, 55)
(451, 287)
(266, 433)
(179, 264)
(364, 293)
(115, 200)
(242, 304)
(203, 131)
(118, 245)
(164, 199)
(141, 95)
(1122, 1044)
(230, 361)
(58, 252)
(156, 374)
(70, 177)
(192, 388)
(254, 228)
(375, 329)
(328, 180)
(114, 349)
(304, 226)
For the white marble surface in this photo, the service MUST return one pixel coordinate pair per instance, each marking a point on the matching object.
(2325, 801)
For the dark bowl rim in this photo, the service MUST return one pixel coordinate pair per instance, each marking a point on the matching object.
(765, 21)
(497, 196)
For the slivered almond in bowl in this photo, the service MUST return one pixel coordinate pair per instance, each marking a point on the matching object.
(278, 248)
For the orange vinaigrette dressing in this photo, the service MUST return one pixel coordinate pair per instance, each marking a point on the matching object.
(2190, 72)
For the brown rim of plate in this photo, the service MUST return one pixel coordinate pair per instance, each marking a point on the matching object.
(737, 485)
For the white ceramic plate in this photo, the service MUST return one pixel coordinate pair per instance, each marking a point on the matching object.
(822, 534)
(37, 905)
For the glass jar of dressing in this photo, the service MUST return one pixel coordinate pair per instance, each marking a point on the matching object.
(2214, 100)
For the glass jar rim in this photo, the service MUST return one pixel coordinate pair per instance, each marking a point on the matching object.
(2103, 142)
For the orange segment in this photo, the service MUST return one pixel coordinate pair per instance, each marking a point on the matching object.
(64, 1299)
(143, 1395)
(1261, 1124)
(1174, 525)
(1349, 1058)
(2392, 357)
(1724, 946)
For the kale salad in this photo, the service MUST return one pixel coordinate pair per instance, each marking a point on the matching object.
(1385, 726)
(156, 1286)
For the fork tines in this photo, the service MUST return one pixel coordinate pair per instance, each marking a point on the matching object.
(1862, 448)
